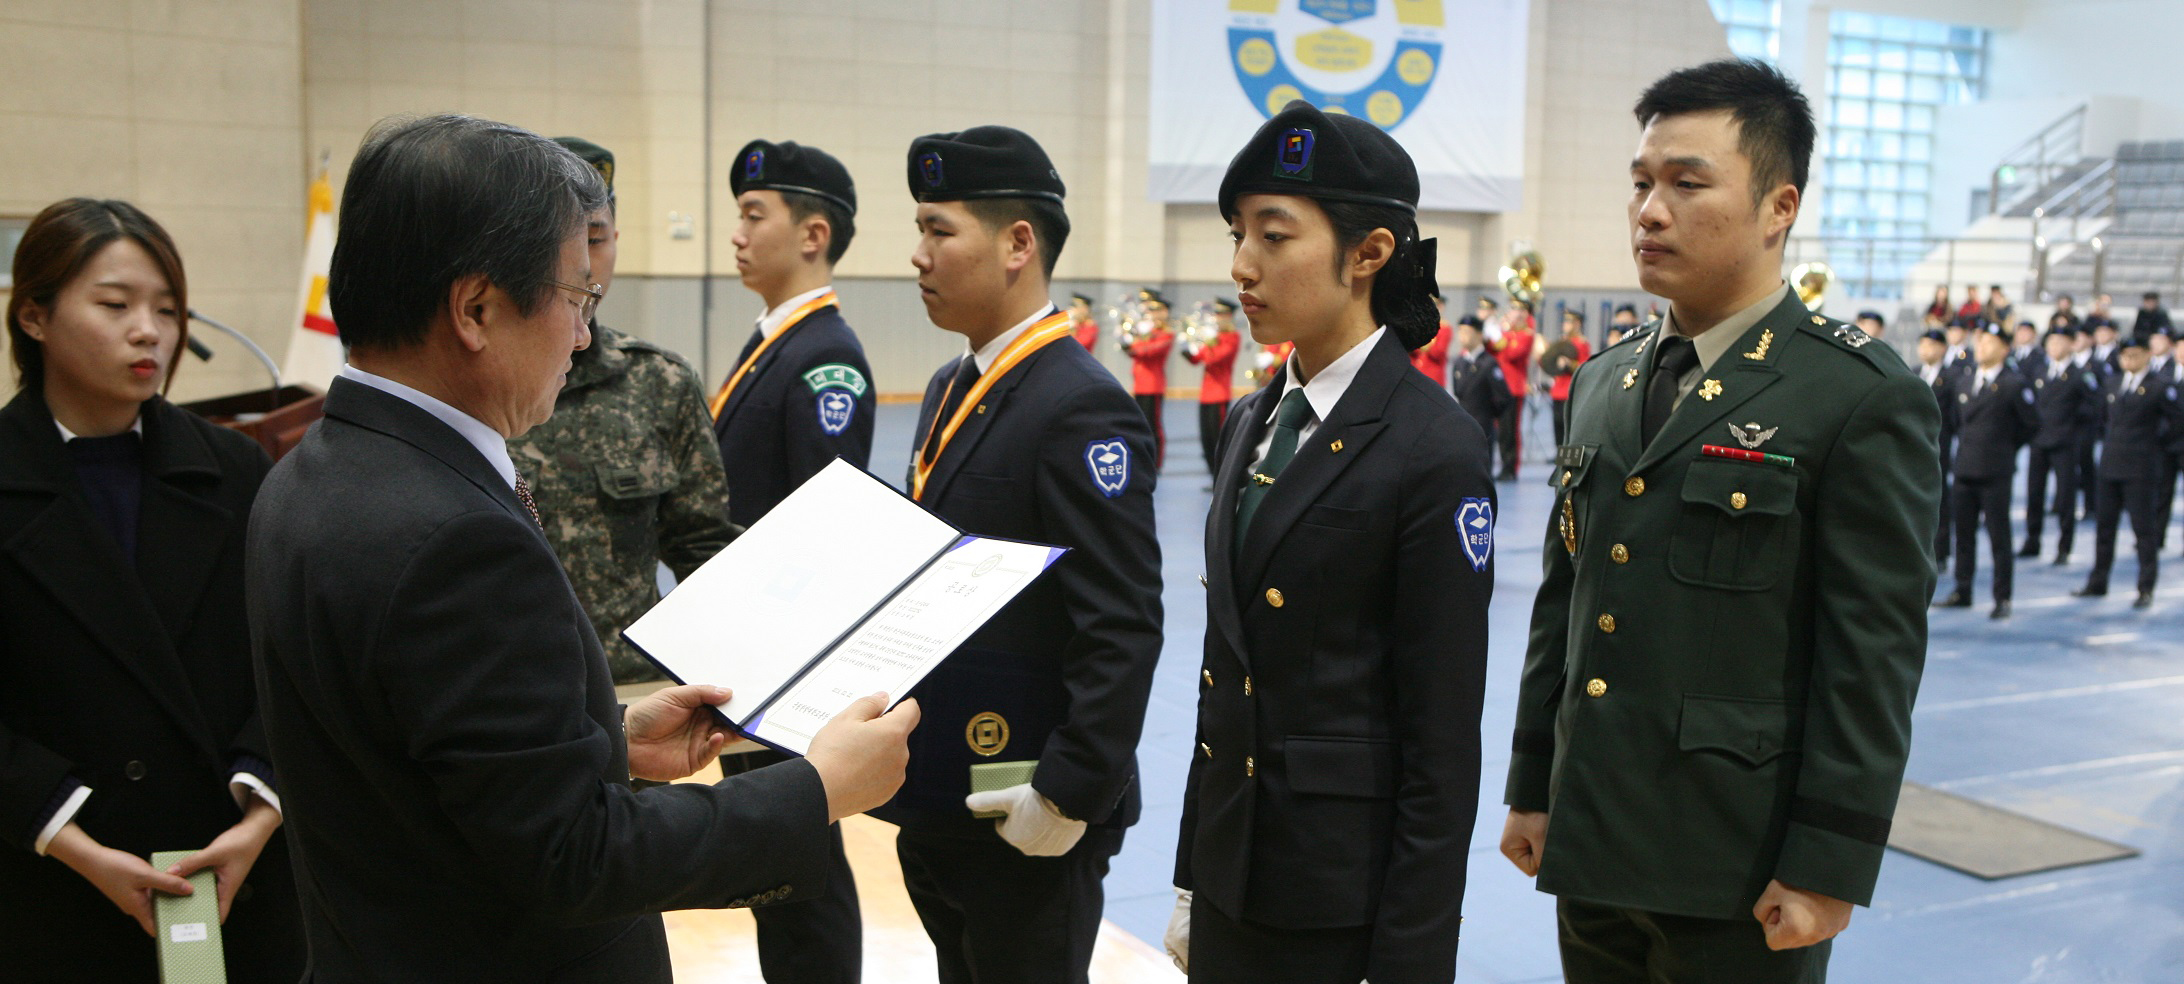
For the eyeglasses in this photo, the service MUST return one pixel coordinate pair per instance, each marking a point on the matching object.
(592, 296)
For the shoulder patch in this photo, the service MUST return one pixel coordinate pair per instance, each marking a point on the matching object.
(1475, 520)
(1109, 463)
(836, 409)
(838, 375)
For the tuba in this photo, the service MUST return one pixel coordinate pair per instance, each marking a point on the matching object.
(1812, 281)
(1200, 330)
(1130, 323)
(1520, 277)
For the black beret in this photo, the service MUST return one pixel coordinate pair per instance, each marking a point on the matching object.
(1874, 316)
(1983, 326)
(2133, 340)
(1338, 157)
(1472, 320)
(1224, 305)
(1934, 335)
(592, 154)
(981, 162)
(1080, 297)
(790, 166)
(2064, 330)
(1151, 296)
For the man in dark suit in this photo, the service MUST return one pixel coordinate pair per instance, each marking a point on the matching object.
(455, 768)
(1933, 370)
(2061, 393)
(2141, 409)
(1731, 610)
(1022, 785)
(1475, 376)
(1990, 411)
(2092, 353)
(2151, 316)
(799, 396)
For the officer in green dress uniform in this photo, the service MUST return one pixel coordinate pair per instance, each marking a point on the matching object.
(625, 473)
(1716, 701)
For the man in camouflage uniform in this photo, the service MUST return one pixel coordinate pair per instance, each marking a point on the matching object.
(625, 473)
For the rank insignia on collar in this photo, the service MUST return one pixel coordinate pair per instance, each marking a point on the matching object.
(1709, 390)
(1766, 338)
(1818, 320)
(1852, 336)
(1642, 343)
(1630, 378)
(1751, 436)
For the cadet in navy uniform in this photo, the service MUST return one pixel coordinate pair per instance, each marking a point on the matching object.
(800, 393)
(1934, 371)
(2061, 393)
(1991, 414)
(2139, 406)
(1025, 436)
(1328, 815)
(1475, 377)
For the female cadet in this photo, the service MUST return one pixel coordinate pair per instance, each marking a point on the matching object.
(1349, 566)
(128, 720)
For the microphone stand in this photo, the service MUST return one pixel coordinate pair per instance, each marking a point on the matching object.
(202, 352)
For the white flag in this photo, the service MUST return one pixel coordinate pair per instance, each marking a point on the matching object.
(314, 350)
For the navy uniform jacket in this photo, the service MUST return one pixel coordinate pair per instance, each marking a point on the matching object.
(457, 781)
(1990, 423)
(1718, 687)
(1480, 388)
(1068, 665)
(130, 675)
(2138, 421)
(1335, 777)
(807, 400)
(2062, 405)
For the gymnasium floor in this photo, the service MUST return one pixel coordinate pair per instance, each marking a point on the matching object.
(2070, 712)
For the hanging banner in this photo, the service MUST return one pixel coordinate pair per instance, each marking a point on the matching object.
(1445, 77)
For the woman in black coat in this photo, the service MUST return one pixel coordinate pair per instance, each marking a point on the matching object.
(128, 712)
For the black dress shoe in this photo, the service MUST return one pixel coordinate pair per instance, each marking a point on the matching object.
(2001, 611)
(2030, 549)
(1956, 599)
(2090, 591)
(2062, 559)
(2144, 601)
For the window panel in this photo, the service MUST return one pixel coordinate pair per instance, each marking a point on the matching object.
(1888, 116)
(1853, 82)
(1889, 85)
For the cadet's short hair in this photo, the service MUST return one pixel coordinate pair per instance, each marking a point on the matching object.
(434, 199)
(1049, 224)
(841, 226)
(1774, 121)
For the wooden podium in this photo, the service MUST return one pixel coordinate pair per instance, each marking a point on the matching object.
(276, 419)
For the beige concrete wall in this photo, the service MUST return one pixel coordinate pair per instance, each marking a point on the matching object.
(213, 113)
(189, 110)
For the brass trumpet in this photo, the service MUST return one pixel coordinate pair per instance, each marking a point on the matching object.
(1521, 276)
(1200, 330)
(1812, 281)
(1130, 323)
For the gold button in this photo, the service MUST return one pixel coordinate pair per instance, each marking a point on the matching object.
(1247, 686)
(1736, 500)
(1596, 687)
(1619, 553)
(1208, 749)
(1250, 768)
(1201, 580)
(1635, 487)
(1565, 479)
(1274, 597)
(1207, 675)
(1606, 623)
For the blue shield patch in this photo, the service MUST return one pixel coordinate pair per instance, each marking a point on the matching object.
(1109, 462)
(1475, 520)
(929, 168)
(836, 407)
(754, 164)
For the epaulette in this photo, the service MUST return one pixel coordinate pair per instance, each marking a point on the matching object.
(1844, 336)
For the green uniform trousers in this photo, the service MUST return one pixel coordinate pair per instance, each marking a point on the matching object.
(1611, 945)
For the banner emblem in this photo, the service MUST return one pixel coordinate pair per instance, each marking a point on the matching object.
(1475, 519)
(929, 168)
(1326, 52)
(836, 408)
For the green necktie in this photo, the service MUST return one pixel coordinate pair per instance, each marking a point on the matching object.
(1289, 421)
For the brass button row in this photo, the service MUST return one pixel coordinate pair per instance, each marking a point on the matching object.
(1274, 597)
(1635, 487)
(1596, 687)
(1606, 623)
(1619, 553)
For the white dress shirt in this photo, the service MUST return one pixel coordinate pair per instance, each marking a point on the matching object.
(1321, 393)
(770, 323)
(986, 354)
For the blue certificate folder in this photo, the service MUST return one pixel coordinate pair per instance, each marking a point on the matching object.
(846, 589)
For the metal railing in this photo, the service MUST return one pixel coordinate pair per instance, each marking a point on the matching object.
(2040, 159)
(2158, 262)
(1877, 266)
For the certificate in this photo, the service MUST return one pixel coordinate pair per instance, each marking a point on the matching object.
(845, 589)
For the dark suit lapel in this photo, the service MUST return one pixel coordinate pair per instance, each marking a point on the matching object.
(1221, 520)
(1740, 377)
(64, 549)
(372, 409)
(1620, 405)
(1353, 425)
(984, 413)
(782, 343)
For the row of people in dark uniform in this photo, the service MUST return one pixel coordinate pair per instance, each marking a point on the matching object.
(2097, 408)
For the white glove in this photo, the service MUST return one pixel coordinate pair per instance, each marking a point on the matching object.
(1493, 331)
(1033, 825)
(1178, 937)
